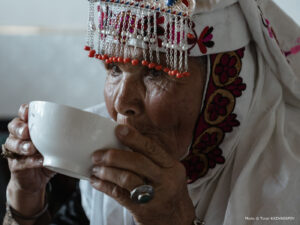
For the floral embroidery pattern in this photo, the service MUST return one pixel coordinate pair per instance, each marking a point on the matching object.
(204, 41)
(225, 69)
(218, 106)
(217, 117)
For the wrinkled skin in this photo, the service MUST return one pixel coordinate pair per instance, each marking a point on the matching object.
(157, 114)
(26, 188)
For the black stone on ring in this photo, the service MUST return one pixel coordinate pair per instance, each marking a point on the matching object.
(142, 194)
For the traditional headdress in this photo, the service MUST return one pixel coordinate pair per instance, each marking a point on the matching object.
(156, 26)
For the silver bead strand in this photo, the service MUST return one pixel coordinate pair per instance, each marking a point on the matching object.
(143, 36)
(174, 46)
(127, 34)
(155, 38)
(166, 37)
(105, 30)
(135, 30)
(99, 28)
(171, 42)
(149, 36)
(91, 25)
(181, 44)
(109, 31)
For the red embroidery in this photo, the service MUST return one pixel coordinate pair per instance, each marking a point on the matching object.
(217, 117)
(294, 50)
(204, 41)
(225, 69)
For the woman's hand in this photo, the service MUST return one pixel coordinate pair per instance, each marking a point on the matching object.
(28, 177)
(118, 172)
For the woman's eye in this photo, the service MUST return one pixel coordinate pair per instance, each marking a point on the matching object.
(154, 73)
(115, 70)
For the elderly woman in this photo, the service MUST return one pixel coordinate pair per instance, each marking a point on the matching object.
(207, 97)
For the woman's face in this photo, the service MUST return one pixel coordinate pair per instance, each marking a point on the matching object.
(157, 105)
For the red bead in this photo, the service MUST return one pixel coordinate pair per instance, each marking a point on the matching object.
(105, 56)
(92, 53)
(145, 63)
(179, 75)
(127, 60)
(108, 61)
(87, 48)
(166, 70)
(97, 56)
(115, 59)
(158, 67)
(151, 65)
(135, 62)
(120, 59)
(186, 74)
(190, 36)
(173, 72)
(111, 59)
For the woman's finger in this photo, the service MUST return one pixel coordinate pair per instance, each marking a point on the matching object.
(31, 162)
(23, 112)
(114, 191)
(122, 178)
(139, 143)
(18, 146)
(126, 160)
(19, 128)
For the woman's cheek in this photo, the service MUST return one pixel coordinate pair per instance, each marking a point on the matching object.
(109, 96)
(161, 109)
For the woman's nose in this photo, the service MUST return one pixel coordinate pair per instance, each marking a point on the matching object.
(129, 100)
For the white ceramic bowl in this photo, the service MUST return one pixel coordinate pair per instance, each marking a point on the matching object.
(67, 137)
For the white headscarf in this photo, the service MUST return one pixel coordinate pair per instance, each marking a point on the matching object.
(260, 178)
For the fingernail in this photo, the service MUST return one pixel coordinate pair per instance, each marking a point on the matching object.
(20, 131)
(41, 161)
(123, 130)
(97, 159)
(25, 147)
(95, 169)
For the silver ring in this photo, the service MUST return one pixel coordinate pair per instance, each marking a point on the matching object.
(142, 194)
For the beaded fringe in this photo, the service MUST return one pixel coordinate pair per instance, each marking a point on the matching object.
(121, 24)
